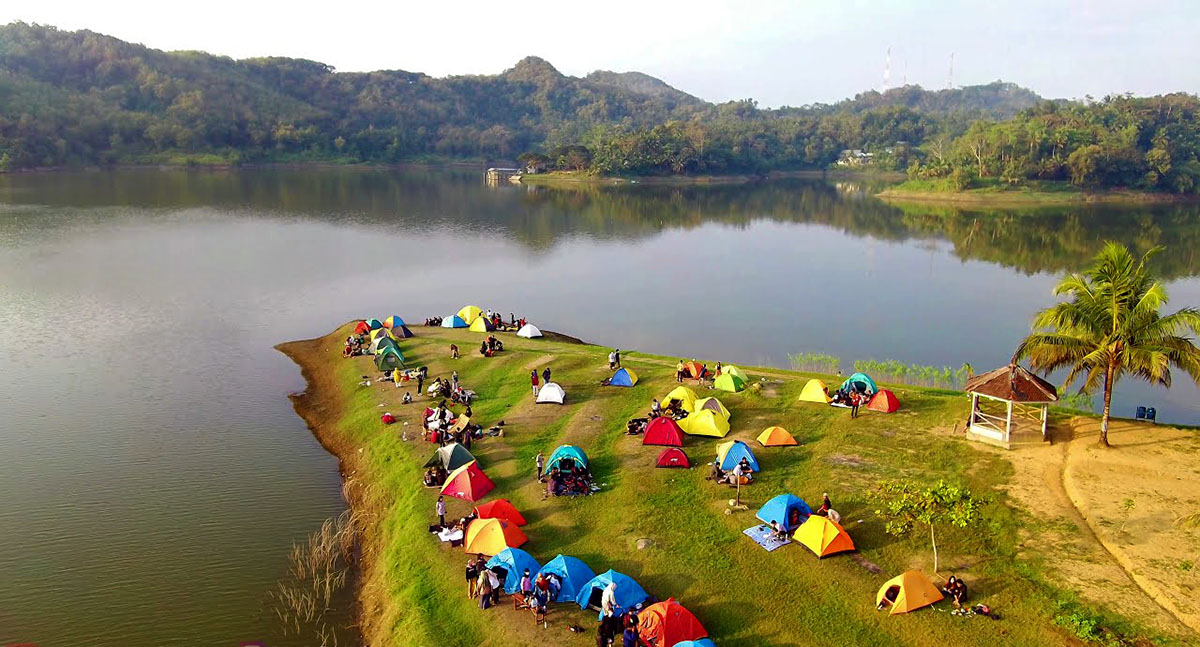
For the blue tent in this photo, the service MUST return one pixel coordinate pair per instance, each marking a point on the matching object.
(737, 450)
(622, 378)
(564, 452)
(572, 575)
(629, 593)
(860, 382)
(781, 508)
(453, 321)
(374, 323)
(514, 561)
(703, 642)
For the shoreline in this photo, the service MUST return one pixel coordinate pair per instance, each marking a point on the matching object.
(583, 178)
(1030, 198)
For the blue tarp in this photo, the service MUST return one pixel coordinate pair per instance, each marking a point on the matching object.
(514, 561)
(572, 575)
(629, 593)
(780, 509)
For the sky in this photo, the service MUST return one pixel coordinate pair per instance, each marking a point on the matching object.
(774, 51)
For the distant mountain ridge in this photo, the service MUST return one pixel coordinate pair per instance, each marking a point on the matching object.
(86, 98)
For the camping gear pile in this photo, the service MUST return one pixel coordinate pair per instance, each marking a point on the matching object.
(567, 473)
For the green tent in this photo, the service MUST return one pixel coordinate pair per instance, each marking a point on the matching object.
(860, 382)
(451, 457)
(381, 344)
(390, 359)
(729, 382)
(565, 452)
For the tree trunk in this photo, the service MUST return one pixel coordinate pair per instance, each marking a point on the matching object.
(1108, 388)
(935, 555)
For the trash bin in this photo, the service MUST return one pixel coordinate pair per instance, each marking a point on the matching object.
(1150, 414)
(1141, 413)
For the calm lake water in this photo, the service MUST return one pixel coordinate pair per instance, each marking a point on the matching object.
(153, 475)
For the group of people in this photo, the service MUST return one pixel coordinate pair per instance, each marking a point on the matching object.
(572, 479)
(488, 347)
(443, 427)
(852, 398)
(682, 372)
(533, 379)
(355, 345)
(742, 473)
(779, 530)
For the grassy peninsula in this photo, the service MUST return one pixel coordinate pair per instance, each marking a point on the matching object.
(1025, 194)
(1033, 557)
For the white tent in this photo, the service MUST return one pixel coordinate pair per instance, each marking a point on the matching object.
(551, 393)
(529, 331)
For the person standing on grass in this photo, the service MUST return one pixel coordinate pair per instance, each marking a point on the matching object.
(526, 584)
(546, 375)
(441, 510)
(855, 400)
(494, 584)
(540, 461)
(454, 379)
(472, 577)
(484, 589)
(679, 371)
(533, 379)
(612, 360)
(420, 383)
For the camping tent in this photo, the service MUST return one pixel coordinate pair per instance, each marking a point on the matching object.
(378, 332)
(551, 393)
(629, 594)
(529, 331)
(788, 509)
(860, 382)
(572, 574)
(381, 342)
(668, 623)
(823, 536)
(815, 391)
(663, 431)
(705, 423)
(908, 592)
(491, 536)
(729, 382)
(686, 397)
(393, 321)
(885, 402)
(362, 327)
(468, 482)
(672, 457)
(481, 324)
(693, 369)
(374, 323)
(775, 437)
(451, 457)
(500, 509)
(567, 452)
(469, 314)
(623, 377)
(712, 404)
(389, 360)
(401, 332)
(511, 564)
(703, 642)
(732, 452)
(453, 321)
(733, 370)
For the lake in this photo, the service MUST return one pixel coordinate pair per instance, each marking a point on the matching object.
(153, 475)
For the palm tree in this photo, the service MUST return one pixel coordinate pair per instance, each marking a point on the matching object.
(1110, 326)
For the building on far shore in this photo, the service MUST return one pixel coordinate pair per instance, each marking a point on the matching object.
(854, 157)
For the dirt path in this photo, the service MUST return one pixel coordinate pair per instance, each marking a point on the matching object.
(1070, 541)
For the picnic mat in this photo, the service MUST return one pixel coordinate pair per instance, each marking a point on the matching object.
(762, 535)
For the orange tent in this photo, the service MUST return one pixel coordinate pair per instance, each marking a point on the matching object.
(885, 401)
(823, 536)
(776, 437)
(668, 623)
(362, 328)
(693, 369)
(500, 509)
(468, 482)
(908, 592)
(491, 536)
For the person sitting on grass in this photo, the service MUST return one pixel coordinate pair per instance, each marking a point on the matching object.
(453, 351)
(407, 398)
(826, 505)
(483, 349)
(716, 473)
(655, 408)
(778, 532)
(957, 590)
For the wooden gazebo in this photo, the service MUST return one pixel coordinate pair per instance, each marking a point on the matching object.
(1013, 401)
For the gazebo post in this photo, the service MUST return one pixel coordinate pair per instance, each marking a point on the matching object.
(1008, 423)
(974, 408)
(1045, 419)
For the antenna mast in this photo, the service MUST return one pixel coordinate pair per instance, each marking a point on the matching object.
(887, 71)
(950, 75)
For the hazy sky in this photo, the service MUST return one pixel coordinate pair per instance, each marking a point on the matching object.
(774, 51)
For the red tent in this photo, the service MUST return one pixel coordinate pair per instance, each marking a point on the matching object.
(693, 369)
(362, 328)
(668, 623)
(500, 509)
(885, 401)
(468, 482)
(663, 431)
(672, 457)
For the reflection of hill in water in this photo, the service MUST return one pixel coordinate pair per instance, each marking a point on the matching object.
(1052, 240)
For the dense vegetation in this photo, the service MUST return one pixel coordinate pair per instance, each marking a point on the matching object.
(81, 98)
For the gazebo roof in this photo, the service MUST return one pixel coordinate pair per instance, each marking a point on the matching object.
(1013, 382)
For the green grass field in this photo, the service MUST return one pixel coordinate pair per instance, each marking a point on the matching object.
(413, 588)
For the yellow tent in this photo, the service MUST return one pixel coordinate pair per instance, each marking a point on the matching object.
(729, 382)
(470, 313)
(379, 332)
(686, 397)
(481, 324)
(713, 404)
(705, 423)
(491, 536)
(823, 536)
(776, 437)
(733, 370)
(908, 592)
(815, 391)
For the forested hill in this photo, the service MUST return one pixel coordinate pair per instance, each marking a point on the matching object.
(71, 98)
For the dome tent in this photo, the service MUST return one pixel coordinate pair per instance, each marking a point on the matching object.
(551, 393)
(628, 595)
(374, 323)
(361, 328)
(623, 377)
(672, 457)
(468, 483)
(712, 404)
(393, 321)
(511, 564)
(566, 452)
(401, 332)
(491, 536)
(687, 398)
(884, 402)
(529, 331)
(572, 575)
(731, 453)
(823, 536)
(454, 321)
(908, 592)
(668, 623)
(815, 391)
(481, 324)
(663, 431)
(451, 457)
(705, 423)
(860, 382)
(500, 509)
(389, 360)
(788, 509)
(776, 437)
(469, 314)
(729, 382)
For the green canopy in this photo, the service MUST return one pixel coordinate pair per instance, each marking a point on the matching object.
(451, 457)
(390, 359)
(567, 452)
